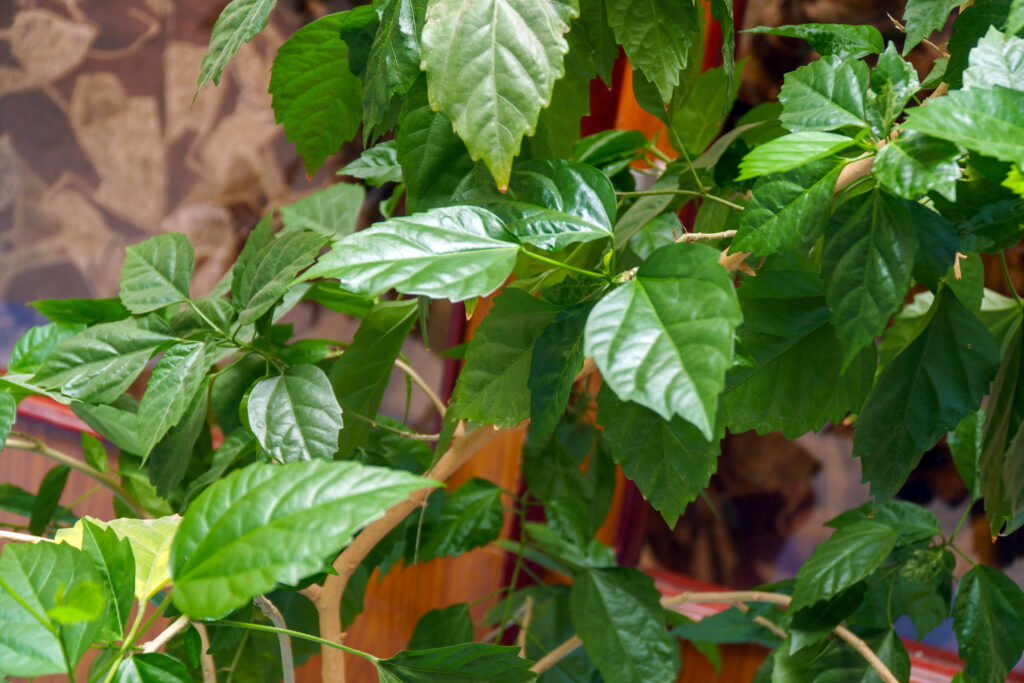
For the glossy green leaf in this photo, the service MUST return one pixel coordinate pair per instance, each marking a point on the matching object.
(112, 557)
(551, 204)
(168, 462)
(924, 392)
(971, 25)
(394, 60)
(867, 263)
(454, 253)
(988, 121)
(32, 577)
(923, 18)
(965, 448)
(35, 346)
(51, 487)
(465, 662)
(8, 413)
(250, 530)
(1005, 416)
(470, 517)
(101, 362)
(987, 618)
(665, 338)
(841, 40)
(176, 378)
(914, 164)
(493, 385)
(315, 95)
(618, 616)
(656, 37)
(118, 425)
(893, 83)
(83, 311)
(377, 165)
(238, 23)
(151, 667)
(157, 273)
(669, 461)
(998, 59)
(790, 151)
(443, 627)
(332, 211)
(697, 118)
(491, 66)
(556, 359)
(295, 416)
(850, 555)
(913, 523)
(824, 95)
(361, 375)
(260, 280)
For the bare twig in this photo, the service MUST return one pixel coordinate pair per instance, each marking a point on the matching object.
(525, 625)
(206, 663)
(270, 610)
(24, 538)
(695, 236)
(903, 29)
(422, 384)
(176, 627)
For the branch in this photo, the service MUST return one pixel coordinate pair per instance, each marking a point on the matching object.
(24, 538)
(206, 663)
(176, 627)
(422, 384)
(525, 625)
(277, 619)
(695, 236)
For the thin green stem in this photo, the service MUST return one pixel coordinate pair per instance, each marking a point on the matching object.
(684, 193)
(559, 264)
(1009, 282)
(301, 636)
(653, 150)
(686, 157)
(234, 340)
(238, 657)
(963, 555)
(24, 442)
(153, 617)
(515, 575)
(959, 524)
(415, 436)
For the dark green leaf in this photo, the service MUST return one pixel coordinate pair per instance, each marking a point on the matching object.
(112, 557)
(262, 277)
(37, 344)
(358, 28)
(465, 662)
(965, 447)
(914, 164)
(238, 23)
(251, 530)
(595, 38)
(295, 416)
(850, 555)
(809, 625)
(664, 339)
(841, 40)
(8, 413)
(315, 95)
(230, 387)
(443, 627)
(471, 516)
(913, 523)
(556, 359)
(47, 498)
(394, 60)
(118, 425)
(1005, 416)
(971, 25)
(237, 449)
(924, 392)
(84, 311)
(169, 461)
(173, 385)
(332, 211)
(893, 83)
(728, 626)
(157, 273)
(697, 118)
(923, 18)
(987, 618)
(379, 164)
(826, 94)
(998, 59)
(722, 12)
(152, 667)
(618, 616)
(936, 252)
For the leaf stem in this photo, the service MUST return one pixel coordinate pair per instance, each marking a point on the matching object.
(685, 193)
(233, 339)
(24, 538)
(422, 384)
(302, 636)
(515, 573)
(959, 524)
(559, 264)
(1009, 282)
(415, 436)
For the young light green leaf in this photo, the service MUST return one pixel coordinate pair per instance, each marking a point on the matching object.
(157, 273)
(261, 280)
(295, 416)
(923, 18)
(997, 59)
(824, 95)
(442, 628)
(988, 623)
(470, 517)
(238, 23)
(924, 392)
(790, 151)
(176, 378)
(1015, 17)
(841, 40)
(332, 211)
(36, 345)
(315, 95)
(665, 338)
(619, 619)
(83, 602)
(250, 530)
(394, 60)
(8, 413)
(491, 66)
(112, 557)
(465, 662)
(455, 253)
(377, 165)
(914, 164)
(893, 83)
(850, 555)
(669, 461)
(151, 667)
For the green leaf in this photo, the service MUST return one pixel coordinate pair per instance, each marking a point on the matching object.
(443, 627)
(493, 385)
(150, 541)
(295, 416)
(696, 119)
(169, 461)
(788, 374)
(998, 59)
(987, 618)
(988, 121)
(914, 164)
(32, 578)
(923, 18)
(790, 151)
(8, 413)
(893, 83)
(361, 375)
(112, 557)
(263, 276)
(665, 338)
(726, 627)
(826, 94)
(332, 211)
(394, 60)
(787, 211)
(470, 517)
(867, 263)
(924, 392)
(970, 27)
(1015, 17)
(36, 345)
(176, 378)
(810, 625)
(842, 40)
(965, 447)
(82, 311)
(556, 359)
(669, 461)
(377, 165)
(83, 602)
(850, 555)
(455, 253)
(151, 667)
(238, 23)
(465, 662)
(315, 95)
(491, 67)
(913, 523)
(251, 530)
(101, 362)
(47, 498)
(551, 204)
(119, 426)
(618, 616)
(1000, 447)
(157, 273)
(656, 37)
